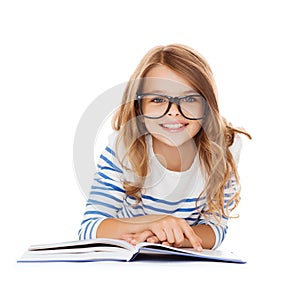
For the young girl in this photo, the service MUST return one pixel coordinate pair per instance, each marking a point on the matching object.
(169, 173)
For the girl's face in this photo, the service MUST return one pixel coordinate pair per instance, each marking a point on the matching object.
(173, 129)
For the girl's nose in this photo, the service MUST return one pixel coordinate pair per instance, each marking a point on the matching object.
(174, 110)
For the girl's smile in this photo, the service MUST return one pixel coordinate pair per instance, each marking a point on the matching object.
(174, 127)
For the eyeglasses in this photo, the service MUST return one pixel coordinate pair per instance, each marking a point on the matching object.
(155, 106)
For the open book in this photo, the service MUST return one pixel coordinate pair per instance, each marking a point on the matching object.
(102, 249)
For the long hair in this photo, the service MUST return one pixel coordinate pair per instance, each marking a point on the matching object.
(212, 142)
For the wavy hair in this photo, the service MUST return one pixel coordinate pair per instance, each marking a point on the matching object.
(212, 142)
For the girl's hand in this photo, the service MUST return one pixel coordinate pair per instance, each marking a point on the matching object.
(174, 232)
(135, 238)
(169, 231)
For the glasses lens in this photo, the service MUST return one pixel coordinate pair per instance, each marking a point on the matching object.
(193, 106)
(154, 106)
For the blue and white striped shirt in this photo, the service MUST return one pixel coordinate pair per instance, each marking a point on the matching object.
(164, 192)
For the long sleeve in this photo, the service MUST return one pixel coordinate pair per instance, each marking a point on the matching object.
(220, 228)
(231, 188)
(106, 194)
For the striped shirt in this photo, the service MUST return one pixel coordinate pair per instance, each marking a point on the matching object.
(164, 192)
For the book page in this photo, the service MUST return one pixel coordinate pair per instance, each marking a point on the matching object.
(217, 255)
(53, 256)
(80, 251)
(100, 242)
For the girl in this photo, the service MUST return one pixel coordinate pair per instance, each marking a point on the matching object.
(169, 173)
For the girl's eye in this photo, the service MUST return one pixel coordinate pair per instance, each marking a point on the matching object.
(158, 100)
(189, 99)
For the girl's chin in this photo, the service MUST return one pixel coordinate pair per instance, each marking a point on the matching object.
(172, 141)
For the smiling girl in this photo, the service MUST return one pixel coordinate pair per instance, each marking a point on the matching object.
(169, 173)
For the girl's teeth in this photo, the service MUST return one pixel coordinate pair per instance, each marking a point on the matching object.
(172, 126)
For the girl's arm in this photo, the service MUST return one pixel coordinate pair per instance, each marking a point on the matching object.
(208, 223)
(165, 228)
(207, 235)
(118, 227)
(202, 231)
(106, 193)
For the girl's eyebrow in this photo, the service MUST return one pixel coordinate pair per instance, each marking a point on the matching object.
(154, 92)
(164, 92)
(190, 92)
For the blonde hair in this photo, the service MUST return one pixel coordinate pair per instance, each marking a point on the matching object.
(212, 142)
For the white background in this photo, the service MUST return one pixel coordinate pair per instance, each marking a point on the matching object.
(58, 56)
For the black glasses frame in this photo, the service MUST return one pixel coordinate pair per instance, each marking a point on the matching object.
(172, 100)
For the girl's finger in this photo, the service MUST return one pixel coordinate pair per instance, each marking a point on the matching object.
(169, 235)
(161, 235)
(153, 239)
(141, 236)
(127, 237)
(167, 244)
(179, 237)
(193, 238)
